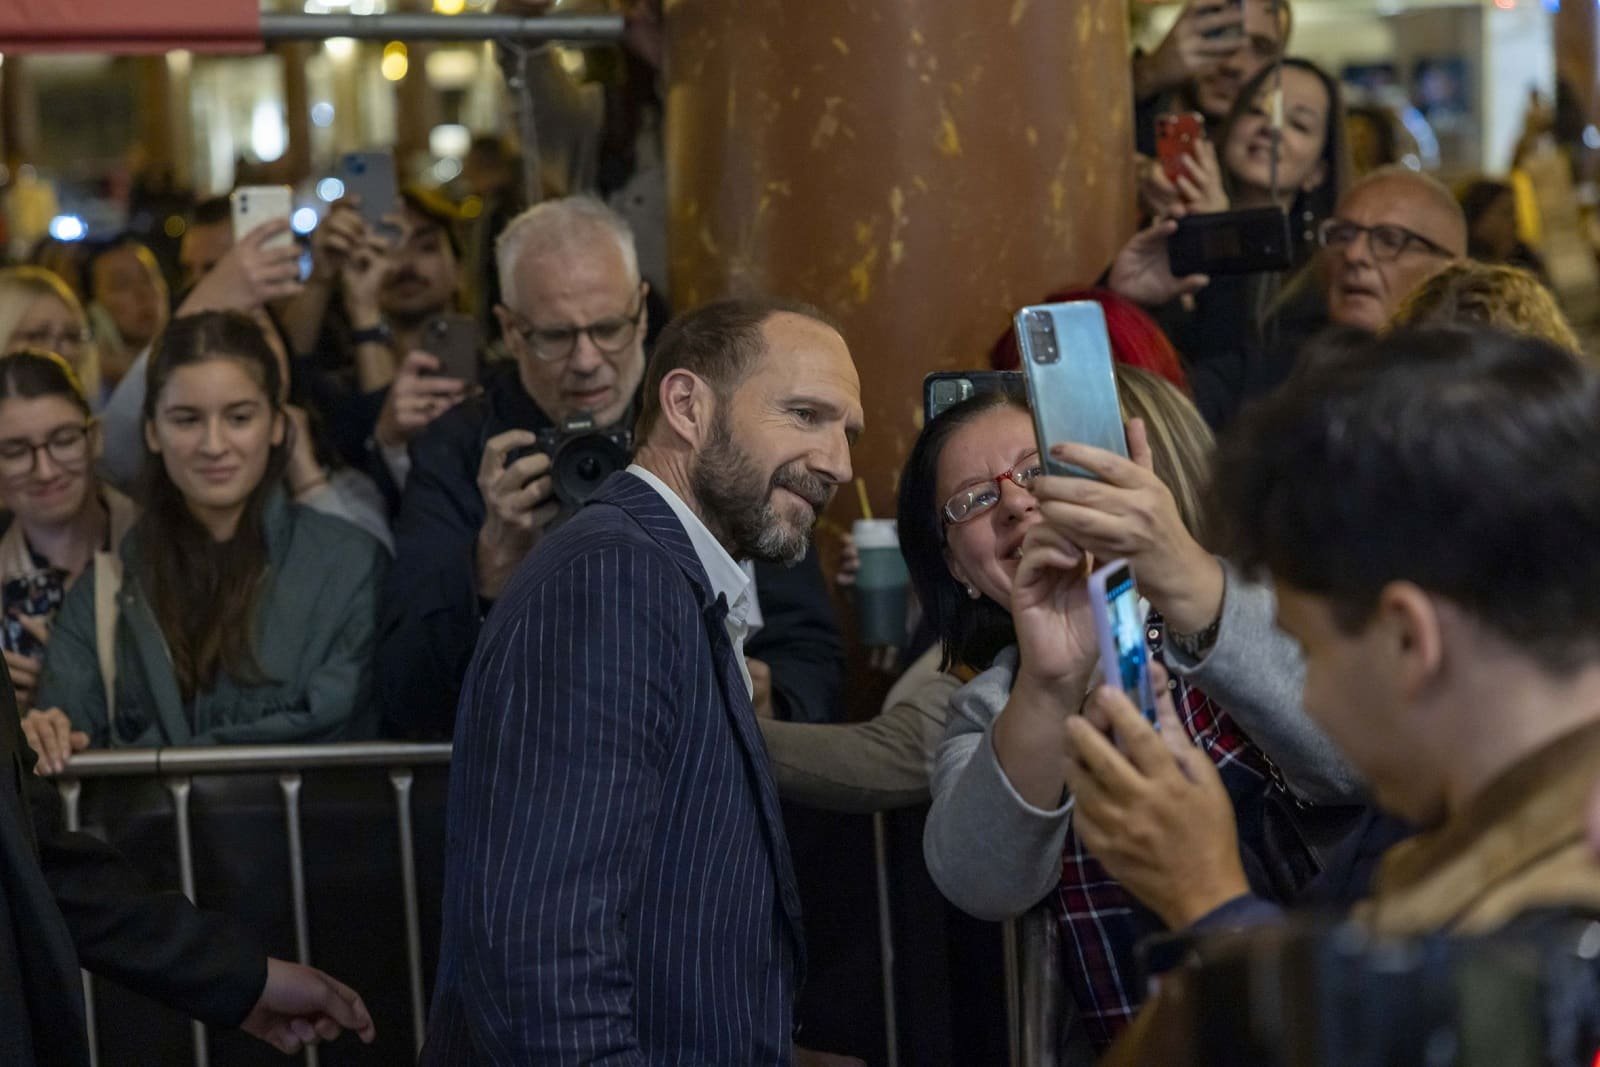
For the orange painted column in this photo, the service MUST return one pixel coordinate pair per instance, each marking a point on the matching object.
(918, 169)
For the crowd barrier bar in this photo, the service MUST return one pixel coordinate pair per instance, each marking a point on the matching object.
(176, 768)
(532, 29)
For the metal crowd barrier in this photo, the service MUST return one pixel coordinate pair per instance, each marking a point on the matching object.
(1031, 1003)
(176, 769)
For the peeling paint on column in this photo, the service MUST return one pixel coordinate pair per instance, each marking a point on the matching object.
(827, 123)
(1019, 8)
(949, 142)
(1033, 137)
(897, 222)
(840, 46)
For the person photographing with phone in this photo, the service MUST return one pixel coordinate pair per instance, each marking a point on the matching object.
(63, 517)
(997, 554)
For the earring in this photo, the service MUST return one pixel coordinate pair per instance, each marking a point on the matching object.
(1309, 222)
(972, 591)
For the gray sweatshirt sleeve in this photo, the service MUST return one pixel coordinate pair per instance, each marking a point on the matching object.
(1256, 673)
(990, 852)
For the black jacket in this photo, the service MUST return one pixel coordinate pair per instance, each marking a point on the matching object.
(70, 899)
(430, 613)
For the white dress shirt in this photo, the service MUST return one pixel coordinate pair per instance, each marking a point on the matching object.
(727, 577)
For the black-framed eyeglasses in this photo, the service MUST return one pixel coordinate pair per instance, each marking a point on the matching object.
(973, 501)
(51, 340)
(1388, 242)
(556, 345)
(68, 447)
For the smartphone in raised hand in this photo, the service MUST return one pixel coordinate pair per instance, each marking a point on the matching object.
(256, 204)
(1119, 624)
(1072, 388)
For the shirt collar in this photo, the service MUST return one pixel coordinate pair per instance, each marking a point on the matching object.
(727, 578)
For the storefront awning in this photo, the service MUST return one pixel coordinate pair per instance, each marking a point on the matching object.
(130, 26)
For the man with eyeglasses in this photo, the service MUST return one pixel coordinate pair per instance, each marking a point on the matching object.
(480, 497)
(1391, 232)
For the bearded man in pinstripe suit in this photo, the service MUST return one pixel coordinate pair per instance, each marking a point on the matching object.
(619, 888)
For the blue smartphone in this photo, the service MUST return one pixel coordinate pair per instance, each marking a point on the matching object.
(1066, 360)
(1119, 624)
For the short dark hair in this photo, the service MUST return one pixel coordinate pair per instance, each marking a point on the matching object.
(101, 249)
(719, 342)
(1466, 461)
(971, 631)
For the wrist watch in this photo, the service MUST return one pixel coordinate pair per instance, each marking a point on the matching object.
(378, 334)
(1196, 645)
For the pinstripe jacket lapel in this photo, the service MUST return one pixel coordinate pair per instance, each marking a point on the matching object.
(646, 507)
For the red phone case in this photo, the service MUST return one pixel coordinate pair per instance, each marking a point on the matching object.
(1178, 135)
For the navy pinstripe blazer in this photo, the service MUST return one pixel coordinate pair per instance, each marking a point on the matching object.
(618, 888)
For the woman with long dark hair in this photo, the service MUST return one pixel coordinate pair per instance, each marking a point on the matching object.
(997, 553)
(239, 616)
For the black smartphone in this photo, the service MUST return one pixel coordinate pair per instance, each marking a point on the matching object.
(371, 176)
(453, 340)
(1232, 242)
(943, 390)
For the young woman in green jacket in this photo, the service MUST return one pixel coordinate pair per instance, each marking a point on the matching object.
(238, 616)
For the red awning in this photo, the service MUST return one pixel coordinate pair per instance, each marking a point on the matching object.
(130, 26)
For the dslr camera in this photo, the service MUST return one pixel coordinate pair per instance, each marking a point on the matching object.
(582, 457)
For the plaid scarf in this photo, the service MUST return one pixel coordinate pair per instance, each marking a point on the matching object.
(1100, 922)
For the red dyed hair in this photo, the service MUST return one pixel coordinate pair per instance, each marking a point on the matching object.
(1135, 338)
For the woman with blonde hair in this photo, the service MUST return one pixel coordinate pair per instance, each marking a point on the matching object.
(1488, 294)
(40, 311)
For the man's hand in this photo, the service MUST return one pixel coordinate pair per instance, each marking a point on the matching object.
(51, 735)
(1129, 513)
(518, 504)
(362, 276)
(1152, 808)
(760, 687)
(1142, 273)
(250, 275)
(1186, 52)
(335, 240)
(417, 397)
(301, 1006)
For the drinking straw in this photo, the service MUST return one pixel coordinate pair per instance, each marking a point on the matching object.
(866, 505)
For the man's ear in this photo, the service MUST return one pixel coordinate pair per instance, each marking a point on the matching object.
(688, 406)
(1412, 635)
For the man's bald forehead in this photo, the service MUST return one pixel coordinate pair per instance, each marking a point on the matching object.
(1421, 202)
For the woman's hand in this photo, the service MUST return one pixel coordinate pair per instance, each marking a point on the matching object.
(305, 473)
(51, 735)
(1142, 273)
(25, 670)
(1129, 513)
(1050, 609)
(1201, 185)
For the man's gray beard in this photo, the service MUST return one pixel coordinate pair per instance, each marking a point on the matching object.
(736, 502)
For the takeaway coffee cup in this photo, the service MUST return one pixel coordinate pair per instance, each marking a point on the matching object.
(881, 583)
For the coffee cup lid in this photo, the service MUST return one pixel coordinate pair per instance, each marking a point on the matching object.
(875, 533)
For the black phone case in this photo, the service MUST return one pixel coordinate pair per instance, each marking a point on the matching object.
(1232, 242)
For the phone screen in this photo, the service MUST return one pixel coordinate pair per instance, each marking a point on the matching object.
(1124, 656)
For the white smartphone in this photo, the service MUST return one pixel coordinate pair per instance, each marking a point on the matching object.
(1119, 624)
(256, 204)
(1066, 359)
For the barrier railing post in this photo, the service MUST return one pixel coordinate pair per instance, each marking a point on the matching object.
(71, 790)
(1008, 937)
(290, 784)
(880, 851)
(402, 778)
(180, 787)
